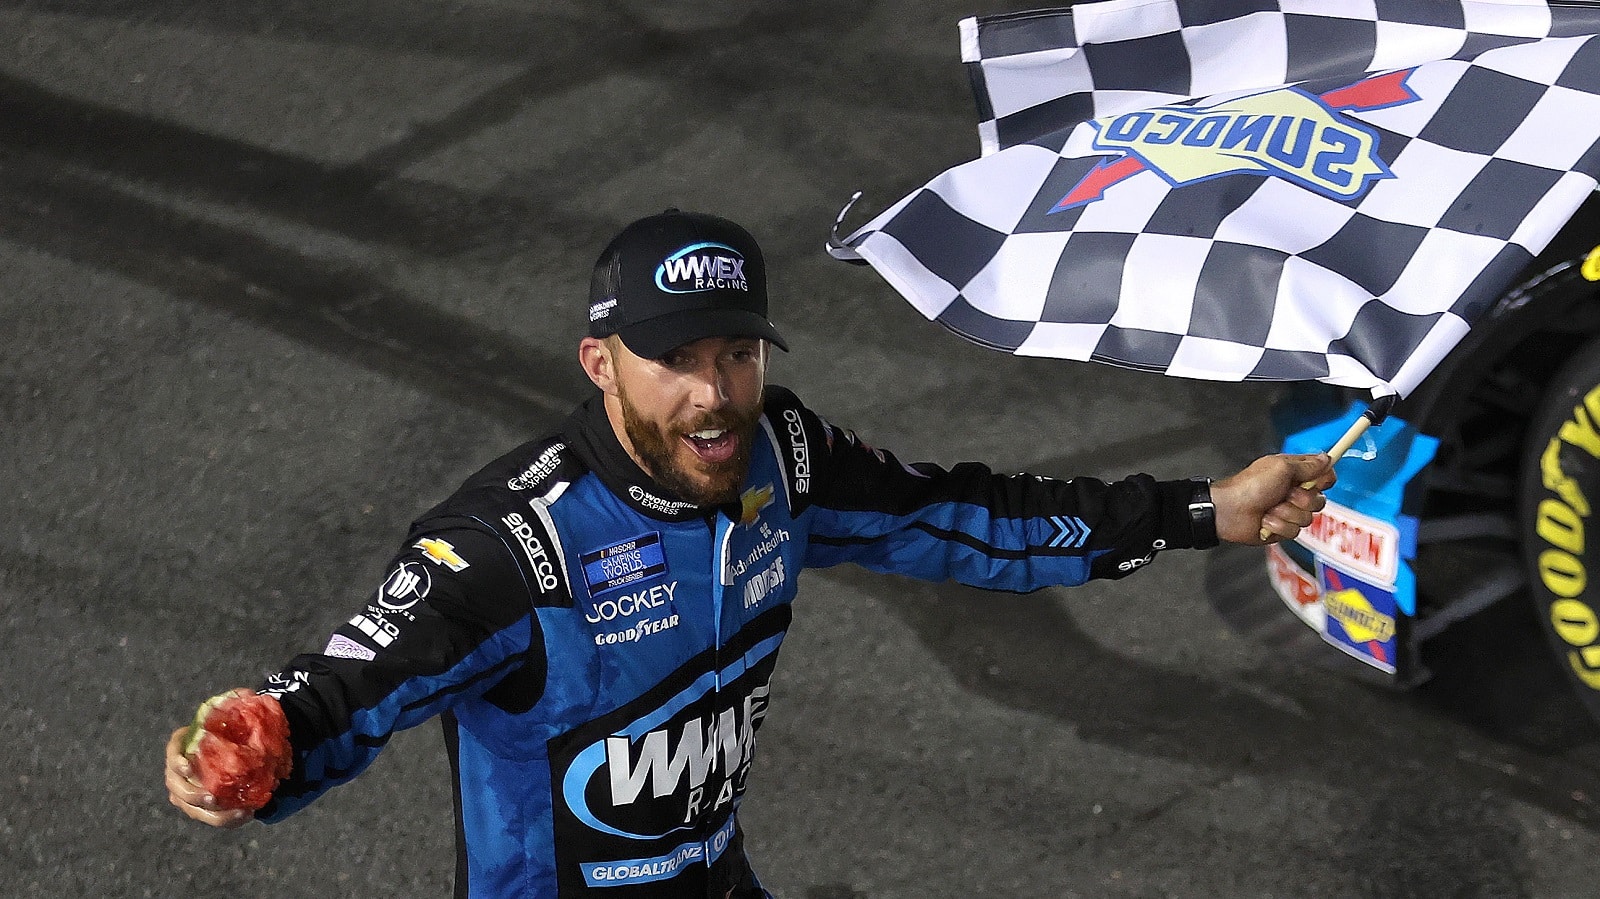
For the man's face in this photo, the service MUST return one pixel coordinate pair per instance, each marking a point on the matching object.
(690, 416)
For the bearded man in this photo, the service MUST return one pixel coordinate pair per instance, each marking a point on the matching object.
(596, 615)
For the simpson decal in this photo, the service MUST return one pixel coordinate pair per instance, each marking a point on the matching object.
(1354, 541)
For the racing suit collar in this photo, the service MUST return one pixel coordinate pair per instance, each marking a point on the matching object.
(589, 433)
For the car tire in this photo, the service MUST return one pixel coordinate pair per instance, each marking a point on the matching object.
(1558, 508)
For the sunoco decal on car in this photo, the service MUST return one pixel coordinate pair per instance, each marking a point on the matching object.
(1360, 617)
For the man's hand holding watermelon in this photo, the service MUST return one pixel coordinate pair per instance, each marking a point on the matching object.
(223, 767)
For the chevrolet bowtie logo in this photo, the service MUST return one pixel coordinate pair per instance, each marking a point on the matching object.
(442, 553)
(752, 502)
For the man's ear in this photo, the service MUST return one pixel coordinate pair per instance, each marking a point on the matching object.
(598, 363)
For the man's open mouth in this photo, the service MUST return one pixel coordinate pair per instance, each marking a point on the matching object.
(712, 444)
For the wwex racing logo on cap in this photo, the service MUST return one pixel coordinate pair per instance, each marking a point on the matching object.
(702, 266)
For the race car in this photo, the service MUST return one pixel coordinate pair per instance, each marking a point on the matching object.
(1476, 493)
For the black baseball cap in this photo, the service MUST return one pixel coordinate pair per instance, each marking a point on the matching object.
(675, 277)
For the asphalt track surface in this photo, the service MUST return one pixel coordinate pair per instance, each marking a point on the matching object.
(275, 276)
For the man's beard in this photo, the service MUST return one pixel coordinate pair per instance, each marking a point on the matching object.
(717, 482)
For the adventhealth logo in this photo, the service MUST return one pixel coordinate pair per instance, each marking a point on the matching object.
(702, 266)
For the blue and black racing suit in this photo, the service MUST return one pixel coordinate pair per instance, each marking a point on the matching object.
(600, 651)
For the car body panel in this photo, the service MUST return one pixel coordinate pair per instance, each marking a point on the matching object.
(1348, 575)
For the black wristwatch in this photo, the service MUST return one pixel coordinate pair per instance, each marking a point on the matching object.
(1202, 515)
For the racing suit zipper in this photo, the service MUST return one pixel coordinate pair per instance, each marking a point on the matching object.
(721, 533)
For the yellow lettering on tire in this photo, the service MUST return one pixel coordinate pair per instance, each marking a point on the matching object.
(1560, 526)
(1588, 675)
(1591, 265)
(1556, 481)
(1580, 432)
(1562, 573)
(1574, 622)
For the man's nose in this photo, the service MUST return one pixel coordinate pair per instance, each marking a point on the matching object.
(710, 389)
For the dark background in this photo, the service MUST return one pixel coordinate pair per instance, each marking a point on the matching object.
(274, 277)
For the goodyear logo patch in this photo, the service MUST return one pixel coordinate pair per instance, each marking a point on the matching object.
(1285, 133)
(626, 562)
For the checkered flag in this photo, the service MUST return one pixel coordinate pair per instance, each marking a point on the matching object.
(1272, 190)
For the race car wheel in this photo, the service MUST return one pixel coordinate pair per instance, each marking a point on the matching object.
(1560, 495)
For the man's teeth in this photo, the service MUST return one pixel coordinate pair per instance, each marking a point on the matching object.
(710, 434)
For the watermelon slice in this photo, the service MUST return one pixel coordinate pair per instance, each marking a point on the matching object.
(239, 744)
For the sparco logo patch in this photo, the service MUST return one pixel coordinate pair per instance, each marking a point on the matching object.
(702, 266)
(533, 548)
(799, 450)
(627, 562)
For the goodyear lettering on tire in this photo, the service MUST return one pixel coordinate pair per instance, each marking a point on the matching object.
(1561, 525)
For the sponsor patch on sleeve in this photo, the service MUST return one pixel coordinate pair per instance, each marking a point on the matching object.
(442, 553)
(342, 647)
(623, 563)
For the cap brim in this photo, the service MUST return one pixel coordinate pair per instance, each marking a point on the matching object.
(655, 337)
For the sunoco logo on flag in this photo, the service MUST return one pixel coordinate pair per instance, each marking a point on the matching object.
(1286, 132)
(1271, 191)
(702, 266)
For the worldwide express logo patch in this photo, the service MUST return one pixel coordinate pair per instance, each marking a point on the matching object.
(702, 266)
(1285, 133)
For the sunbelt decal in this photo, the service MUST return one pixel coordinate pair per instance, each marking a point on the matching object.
(1285, 133)
(702, 266)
